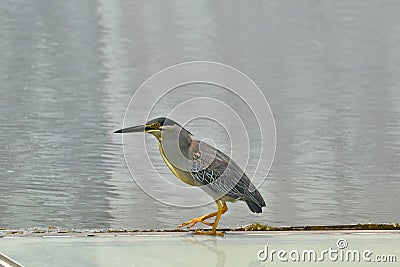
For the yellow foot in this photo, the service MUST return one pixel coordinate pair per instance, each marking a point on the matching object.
(193, 221)
(200, 232)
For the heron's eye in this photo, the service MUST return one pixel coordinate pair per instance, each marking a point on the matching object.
(157, 125)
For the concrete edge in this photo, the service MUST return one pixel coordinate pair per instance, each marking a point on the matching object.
(189, 233)
(8, 262)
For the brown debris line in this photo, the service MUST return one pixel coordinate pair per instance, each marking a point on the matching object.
(264, 227)
(144, 231)
(370, 226)
(249, 228)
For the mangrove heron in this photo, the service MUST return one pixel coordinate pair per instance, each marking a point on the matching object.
(199, 164)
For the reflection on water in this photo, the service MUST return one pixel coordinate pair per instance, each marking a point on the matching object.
(210, 244)
(67, 70)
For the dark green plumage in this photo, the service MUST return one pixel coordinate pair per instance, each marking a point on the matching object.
(221, 175)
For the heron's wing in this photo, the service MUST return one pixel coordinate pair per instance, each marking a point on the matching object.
(214, 169)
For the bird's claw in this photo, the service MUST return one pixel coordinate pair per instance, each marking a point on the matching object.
(201, 232)
(192, 222)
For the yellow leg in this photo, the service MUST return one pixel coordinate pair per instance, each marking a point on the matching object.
(222, 208)
(202, 219)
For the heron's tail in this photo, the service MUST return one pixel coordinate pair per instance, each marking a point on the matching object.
(257, 202)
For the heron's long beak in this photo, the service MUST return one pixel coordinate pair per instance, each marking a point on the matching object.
(134, 129)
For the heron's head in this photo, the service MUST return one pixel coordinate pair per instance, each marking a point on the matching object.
(156, 127)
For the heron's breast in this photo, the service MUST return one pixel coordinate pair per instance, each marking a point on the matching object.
(184, 176)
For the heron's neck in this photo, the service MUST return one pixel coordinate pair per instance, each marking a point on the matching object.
(185, 140)
(177, 136)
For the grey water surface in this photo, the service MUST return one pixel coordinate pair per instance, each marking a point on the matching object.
(329, 69)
